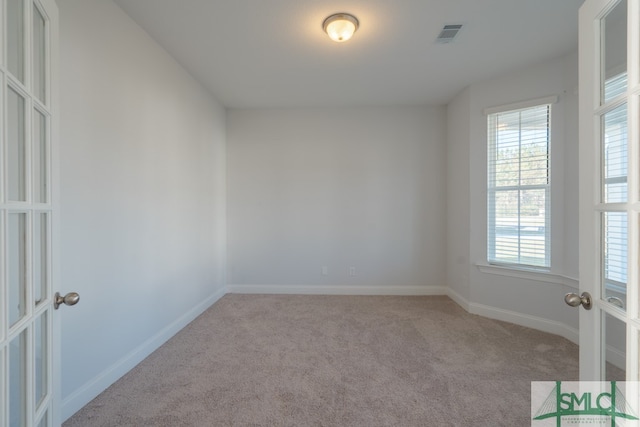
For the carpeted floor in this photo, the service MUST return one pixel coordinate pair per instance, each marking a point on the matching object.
(270, 360)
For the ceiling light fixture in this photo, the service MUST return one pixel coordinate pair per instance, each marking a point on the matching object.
(340, 27)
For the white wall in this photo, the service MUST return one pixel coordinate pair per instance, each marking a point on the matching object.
(458, 182)
(534, 300)
(570, 168)
(341, 188)
(142, 196)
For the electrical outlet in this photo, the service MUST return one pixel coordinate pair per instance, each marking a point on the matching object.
(325, 270)
(352, 271)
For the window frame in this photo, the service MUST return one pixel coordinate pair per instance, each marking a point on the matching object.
(492, 190)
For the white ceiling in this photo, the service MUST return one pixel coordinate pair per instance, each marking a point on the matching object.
(273, 53)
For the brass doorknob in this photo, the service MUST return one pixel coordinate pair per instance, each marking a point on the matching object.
(71, 298)
(575, 300)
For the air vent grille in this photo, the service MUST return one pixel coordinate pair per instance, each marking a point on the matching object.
(448, 33)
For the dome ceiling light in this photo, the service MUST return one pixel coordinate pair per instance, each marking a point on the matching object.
(340, 26)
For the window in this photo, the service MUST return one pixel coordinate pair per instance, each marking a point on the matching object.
(519, 187)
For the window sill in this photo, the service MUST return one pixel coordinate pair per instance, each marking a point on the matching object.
(528, 274)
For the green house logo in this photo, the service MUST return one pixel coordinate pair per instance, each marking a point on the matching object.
(583, 402)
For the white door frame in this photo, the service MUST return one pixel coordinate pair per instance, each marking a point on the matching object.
(592, 345)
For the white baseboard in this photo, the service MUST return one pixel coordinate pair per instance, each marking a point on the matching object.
(83, 395)
(462, 302)
(533, 322)
(336, 290)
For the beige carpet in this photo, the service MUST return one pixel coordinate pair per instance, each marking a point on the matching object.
(256, 360)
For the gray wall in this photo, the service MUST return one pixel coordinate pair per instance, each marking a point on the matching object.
(534, 299)
(341, 188)
(458, 182)
(142, 196)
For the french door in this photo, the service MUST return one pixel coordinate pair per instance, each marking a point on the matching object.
(610, 190)
(27, 213)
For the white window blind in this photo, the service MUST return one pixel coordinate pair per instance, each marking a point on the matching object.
(615, 86)
(614, 128)
(615, 165)
(615, 250)
(519, 187)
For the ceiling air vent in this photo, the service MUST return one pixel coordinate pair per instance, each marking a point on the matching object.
(448, 33)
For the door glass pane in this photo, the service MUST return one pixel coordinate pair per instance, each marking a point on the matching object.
(40, 259)
(17, 266)
(40, 370)
(614, 286)
(614, 55)
(615, 348)
(615, 85)
(39, 154)
(44, 422)
(38, 54)
(15, 38)
(614, 141)
(16, 146)
(3, 380)
(17, 380)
